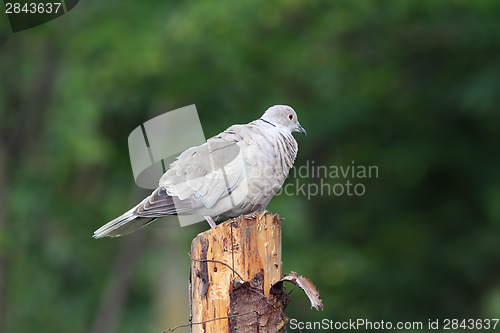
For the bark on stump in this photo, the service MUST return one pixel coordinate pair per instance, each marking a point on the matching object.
(251, 246)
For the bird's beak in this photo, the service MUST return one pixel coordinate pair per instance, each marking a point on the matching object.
(301, 129)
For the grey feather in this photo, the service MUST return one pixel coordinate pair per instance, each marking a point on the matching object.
(233, 173)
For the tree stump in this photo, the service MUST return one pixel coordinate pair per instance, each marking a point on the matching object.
(233, 268)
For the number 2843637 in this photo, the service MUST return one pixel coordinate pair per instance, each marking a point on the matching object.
(32, 8)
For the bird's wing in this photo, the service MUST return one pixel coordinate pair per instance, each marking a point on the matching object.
(199, 177)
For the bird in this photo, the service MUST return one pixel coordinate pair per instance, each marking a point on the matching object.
(234, 173)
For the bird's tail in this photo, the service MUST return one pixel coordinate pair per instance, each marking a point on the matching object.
(124, 224)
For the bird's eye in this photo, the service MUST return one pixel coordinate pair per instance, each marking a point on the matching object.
(290, 116)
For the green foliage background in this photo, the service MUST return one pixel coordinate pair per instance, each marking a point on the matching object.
(412, 87)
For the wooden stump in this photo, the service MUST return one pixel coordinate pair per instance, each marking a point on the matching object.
(238, 299)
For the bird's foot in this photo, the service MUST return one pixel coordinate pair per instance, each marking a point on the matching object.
(210, 221)
(250, 216)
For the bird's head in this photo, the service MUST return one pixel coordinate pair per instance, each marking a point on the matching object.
(283, 117)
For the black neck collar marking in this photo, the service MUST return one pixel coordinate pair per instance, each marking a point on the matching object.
(270, 123)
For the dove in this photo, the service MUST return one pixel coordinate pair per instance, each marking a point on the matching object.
(234, 173)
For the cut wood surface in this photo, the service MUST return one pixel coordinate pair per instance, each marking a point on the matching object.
(251, 246)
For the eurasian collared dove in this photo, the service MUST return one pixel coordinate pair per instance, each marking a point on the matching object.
(234, 173)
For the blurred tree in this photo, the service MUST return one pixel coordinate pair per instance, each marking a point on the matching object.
(410, 87)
